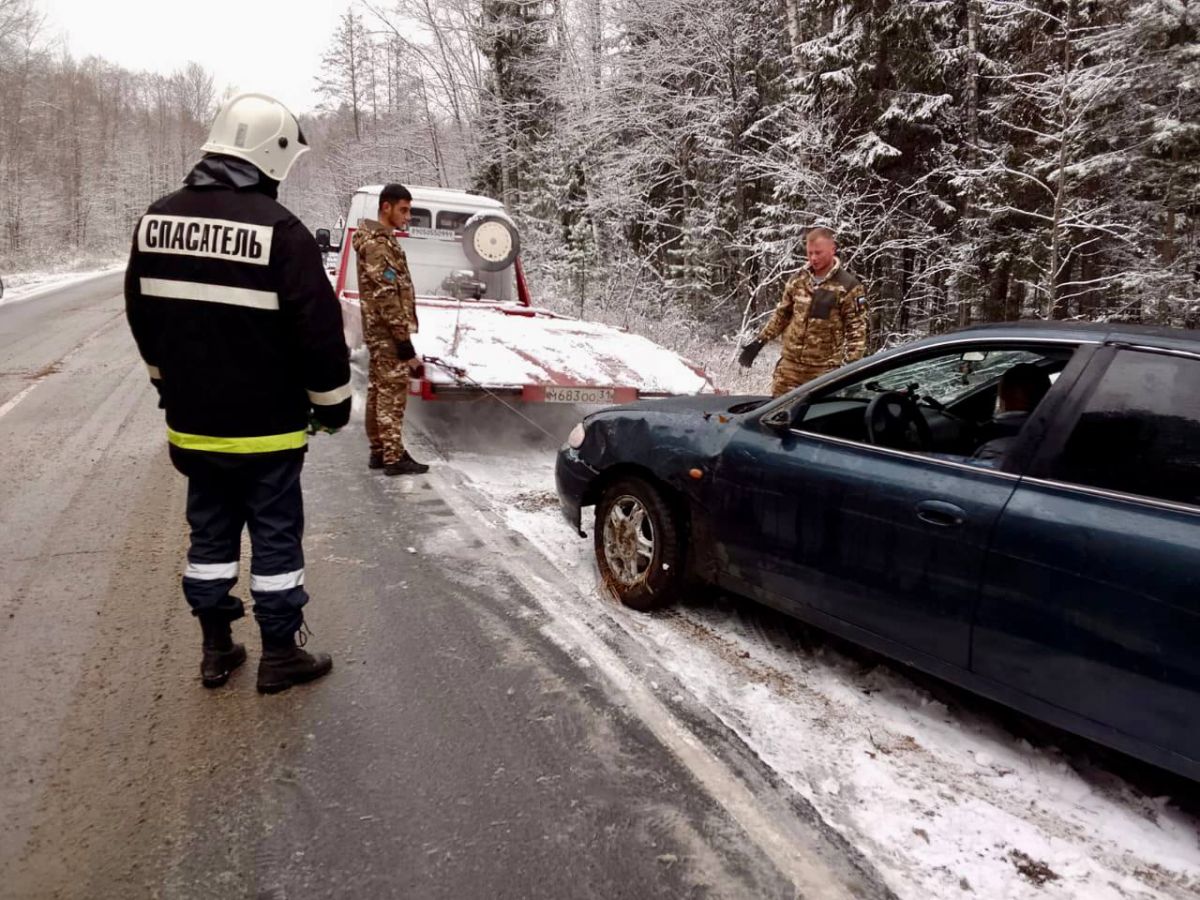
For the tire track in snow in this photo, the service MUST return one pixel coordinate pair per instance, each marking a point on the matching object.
(995, 798)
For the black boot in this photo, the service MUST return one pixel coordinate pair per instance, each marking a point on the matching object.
(221, 654)
(405, 466)
(284, 663)
(375, 461)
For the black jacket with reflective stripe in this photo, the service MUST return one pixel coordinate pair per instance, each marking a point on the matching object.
(230, 305)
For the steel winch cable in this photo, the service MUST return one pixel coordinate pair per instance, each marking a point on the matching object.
(461, 377)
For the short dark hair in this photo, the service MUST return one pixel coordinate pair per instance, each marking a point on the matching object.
(393, 193)
(1026, 381)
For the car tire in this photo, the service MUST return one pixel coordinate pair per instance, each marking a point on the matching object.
(637, 545)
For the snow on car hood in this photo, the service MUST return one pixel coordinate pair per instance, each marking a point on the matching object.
(501, 345)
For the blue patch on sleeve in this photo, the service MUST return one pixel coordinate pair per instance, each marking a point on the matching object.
(389, 275)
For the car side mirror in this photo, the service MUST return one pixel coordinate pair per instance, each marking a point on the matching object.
(785, 419)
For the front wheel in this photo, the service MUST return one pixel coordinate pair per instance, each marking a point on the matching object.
(637, 545)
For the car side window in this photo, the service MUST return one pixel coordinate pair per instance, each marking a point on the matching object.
(943, 404)
(1139, 431)
(421, 218)
(946, 378)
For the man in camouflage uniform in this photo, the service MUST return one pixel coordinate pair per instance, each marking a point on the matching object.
(822, 317)
(389, 318)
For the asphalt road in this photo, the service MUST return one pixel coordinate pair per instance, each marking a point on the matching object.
(456, 750)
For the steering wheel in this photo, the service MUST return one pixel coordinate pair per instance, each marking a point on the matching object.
(893, 420)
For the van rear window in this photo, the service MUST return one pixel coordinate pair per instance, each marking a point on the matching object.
(453, 221)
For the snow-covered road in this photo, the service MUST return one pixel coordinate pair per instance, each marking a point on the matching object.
(827, 767)
(947, 796)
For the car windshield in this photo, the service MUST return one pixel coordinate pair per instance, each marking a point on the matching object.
(946, 379)
(440, 268)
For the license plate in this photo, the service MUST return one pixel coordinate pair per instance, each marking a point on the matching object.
(578, 395)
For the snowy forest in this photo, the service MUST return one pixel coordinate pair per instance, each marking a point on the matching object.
(85, 145)
(980, 160)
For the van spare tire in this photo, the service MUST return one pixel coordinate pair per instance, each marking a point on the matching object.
(491, 242)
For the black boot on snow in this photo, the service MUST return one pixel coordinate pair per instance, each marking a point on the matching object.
(375, 461)
(221, 654)
(285, 663)
(405, 466)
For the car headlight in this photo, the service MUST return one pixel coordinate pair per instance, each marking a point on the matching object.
(575, 438)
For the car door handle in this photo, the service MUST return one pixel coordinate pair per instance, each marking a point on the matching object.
(940, 513)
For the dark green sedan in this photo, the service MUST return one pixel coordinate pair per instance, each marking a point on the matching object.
(1013, 508)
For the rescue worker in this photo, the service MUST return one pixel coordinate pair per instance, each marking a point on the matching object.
(235, 318)
(389, 319)
(822, 317)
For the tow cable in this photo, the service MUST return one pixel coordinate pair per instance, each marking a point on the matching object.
(461, 377)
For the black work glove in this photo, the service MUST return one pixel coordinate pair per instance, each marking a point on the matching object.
(157, 382)
(749, 352)
(405, 350)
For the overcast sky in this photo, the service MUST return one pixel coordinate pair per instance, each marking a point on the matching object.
(269, 46)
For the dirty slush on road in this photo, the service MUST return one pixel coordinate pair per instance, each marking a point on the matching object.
(941, 791)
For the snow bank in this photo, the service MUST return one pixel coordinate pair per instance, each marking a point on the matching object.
(27, 285)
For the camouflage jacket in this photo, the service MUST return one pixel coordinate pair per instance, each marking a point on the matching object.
(385, 287)
(824, 324)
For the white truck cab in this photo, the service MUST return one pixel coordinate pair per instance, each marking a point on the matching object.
(478, 329)
(438, 260)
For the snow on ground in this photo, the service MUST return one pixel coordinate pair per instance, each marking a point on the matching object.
(942, 799)
(26, 285)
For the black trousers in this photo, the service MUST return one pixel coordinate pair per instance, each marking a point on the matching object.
(226, 493)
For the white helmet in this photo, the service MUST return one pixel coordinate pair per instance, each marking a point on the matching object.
(260, 130)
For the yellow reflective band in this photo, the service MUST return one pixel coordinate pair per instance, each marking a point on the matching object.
(267, 443)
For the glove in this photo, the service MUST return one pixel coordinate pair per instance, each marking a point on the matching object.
(405, 350)
(749, 352)
(315, 426)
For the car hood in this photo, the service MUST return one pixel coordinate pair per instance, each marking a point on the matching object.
(712, 404)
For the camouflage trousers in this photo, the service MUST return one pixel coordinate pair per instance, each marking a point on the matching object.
(387, 398)
(789, 375)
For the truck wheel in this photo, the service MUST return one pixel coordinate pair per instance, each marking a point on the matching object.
(637, 545)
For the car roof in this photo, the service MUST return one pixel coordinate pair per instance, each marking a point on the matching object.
(1144, 335)
(443, 196)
